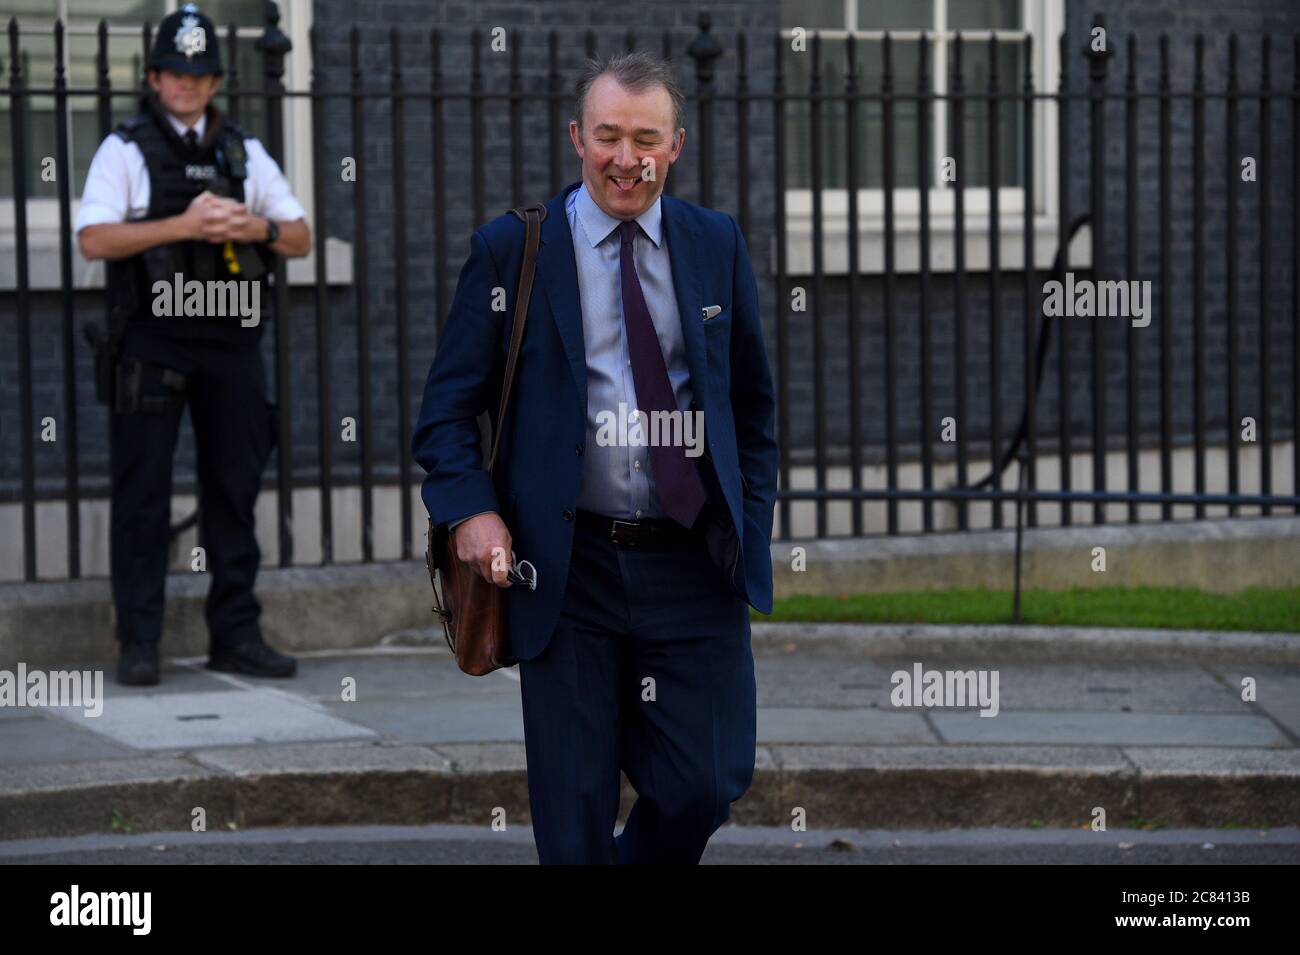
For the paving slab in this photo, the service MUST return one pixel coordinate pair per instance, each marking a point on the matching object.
(387, 677)
(821, 756)
(1116, 729)
(213, 718)
(1213, 761)
(1151, 687)
(790, 724)
(1277, 693)
(320, 757)
(438, 719)
(46, 739)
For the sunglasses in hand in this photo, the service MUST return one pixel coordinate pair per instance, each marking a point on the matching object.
(522, 572)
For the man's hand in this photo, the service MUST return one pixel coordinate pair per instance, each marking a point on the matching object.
(208, 217)
(212, 218)
(484, 543)
(245, 227)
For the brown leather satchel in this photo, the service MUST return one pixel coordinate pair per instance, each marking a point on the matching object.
(473, 610)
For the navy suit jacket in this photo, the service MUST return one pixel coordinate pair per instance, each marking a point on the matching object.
(538, 472)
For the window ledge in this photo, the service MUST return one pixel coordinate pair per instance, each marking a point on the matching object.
(907, 244)
(43, 264)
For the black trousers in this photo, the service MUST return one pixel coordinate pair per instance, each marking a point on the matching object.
(234, 431)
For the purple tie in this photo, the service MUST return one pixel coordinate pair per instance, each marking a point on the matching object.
(677, 481)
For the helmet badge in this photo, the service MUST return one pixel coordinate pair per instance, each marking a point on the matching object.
(191, 38)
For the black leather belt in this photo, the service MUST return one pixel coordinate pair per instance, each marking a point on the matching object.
(647, 532)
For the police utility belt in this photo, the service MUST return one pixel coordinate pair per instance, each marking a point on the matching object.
(119, 382)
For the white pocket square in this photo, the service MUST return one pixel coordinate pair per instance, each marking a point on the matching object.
(710, 311)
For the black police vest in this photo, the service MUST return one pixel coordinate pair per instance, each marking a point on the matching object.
(176, 176)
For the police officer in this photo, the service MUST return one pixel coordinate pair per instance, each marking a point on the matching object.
(188, 211)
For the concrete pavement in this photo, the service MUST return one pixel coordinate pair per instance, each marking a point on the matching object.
(395, 734)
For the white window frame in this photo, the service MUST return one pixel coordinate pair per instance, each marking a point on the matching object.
(1043, 20)
(43, 212)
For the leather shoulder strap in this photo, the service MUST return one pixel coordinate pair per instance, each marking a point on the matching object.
(532, 217)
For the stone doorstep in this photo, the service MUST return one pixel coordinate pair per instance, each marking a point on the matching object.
(341, 606)
(1012, 643)
(356, 605)
(835, 786)
(1029, 643)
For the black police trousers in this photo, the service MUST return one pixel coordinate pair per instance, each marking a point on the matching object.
(234, 431)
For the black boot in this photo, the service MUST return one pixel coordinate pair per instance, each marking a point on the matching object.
(137, 664)
(254, 658)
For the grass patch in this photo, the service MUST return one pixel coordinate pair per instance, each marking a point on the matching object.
(1260, 609)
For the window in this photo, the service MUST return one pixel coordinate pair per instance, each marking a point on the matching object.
(126, 63)
(126, 59)
(1011, 30)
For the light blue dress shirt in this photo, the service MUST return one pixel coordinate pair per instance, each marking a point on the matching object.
(616, 479)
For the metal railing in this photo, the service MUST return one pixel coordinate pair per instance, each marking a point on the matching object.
(1031, 358)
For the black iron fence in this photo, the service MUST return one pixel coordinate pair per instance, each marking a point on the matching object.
(1020, 393)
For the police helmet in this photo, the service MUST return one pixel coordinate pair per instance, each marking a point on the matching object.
(186, 43)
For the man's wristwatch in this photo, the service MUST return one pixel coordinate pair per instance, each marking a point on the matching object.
(272, 232)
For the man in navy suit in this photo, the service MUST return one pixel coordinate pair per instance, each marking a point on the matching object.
(636, 473)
